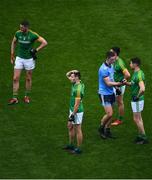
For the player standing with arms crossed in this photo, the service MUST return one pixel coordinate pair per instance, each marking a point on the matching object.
(24, 40)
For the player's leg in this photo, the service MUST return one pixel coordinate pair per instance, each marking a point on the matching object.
(16, 77)
(138, 121)
(120, 103)
(104, 128)
(79, 134)
(137, 107)
(141, 138)
(29, 65)
(28, 86)
(71, 131)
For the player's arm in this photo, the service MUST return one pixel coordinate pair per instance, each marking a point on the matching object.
(126, 74)
(76, 106)
(13, 45)
(110, 83)
(43, 43)
(128, 83)
(142, 88)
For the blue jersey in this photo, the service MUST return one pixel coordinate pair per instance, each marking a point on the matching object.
(105, 71)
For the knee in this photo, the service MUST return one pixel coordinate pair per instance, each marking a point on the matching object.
(109, 114)
(16, 78)
(78, 129)
(120, 102)
(28, 79)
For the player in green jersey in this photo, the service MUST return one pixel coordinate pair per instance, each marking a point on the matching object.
(23, 42)
(121, 73)
(76, 112)
(137, 92)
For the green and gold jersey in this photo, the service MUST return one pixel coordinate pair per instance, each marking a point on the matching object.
(119, 67)
(137, 77)
(77, 91)
(25, 42)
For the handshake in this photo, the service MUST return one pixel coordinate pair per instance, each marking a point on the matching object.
(118, 90)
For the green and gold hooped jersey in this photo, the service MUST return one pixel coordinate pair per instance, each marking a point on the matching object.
(119, 67)
(77, 91)
(25, 42)
(137, 77)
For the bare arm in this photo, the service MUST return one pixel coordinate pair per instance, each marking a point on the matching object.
(128, 83)
(142, 88)
(76, 106)
(110, 83)
(13, 45)
(43, 43)
(126, 74)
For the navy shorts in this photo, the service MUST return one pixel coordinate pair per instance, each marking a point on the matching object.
(107, 100)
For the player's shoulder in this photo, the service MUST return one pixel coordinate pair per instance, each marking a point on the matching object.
(33, 33)
(18, 32)
(103, 67)
(120, 60)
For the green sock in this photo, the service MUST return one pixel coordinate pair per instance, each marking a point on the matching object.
(143, 136)
(27, 93)
(120, 118)
(15, 94)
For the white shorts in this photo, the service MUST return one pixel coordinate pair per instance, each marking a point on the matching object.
(78, 118)
(27, 64)
(137, 106)
(122, 89)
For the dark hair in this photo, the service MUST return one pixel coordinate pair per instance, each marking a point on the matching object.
(116, 50)
(25, 23)
(77, 74)
(136, 60)
(110, 54)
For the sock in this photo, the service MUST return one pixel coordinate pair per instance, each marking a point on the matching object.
(15, 94)
(120, 118)
(27, 93)
(143, 136)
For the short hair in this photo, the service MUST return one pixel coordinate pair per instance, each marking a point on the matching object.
(116, 50)
(136, 60)
(25, 23)
(77, 74)
(110, 54)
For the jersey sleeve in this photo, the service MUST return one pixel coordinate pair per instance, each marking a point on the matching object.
(122, 65)
(16, 35)
(140, 76)
(35, 36)
(78, 92)
(104, 73)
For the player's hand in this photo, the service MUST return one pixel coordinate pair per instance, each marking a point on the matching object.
(135, 98)
(12, 58)
(71, 118)
(118, 92)
(33, 53)
(124, 81)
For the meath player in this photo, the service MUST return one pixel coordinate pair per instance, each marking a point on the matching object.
(23, 42)
(120, 73)
(137, 90)
(76, 112)
(106, 93)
